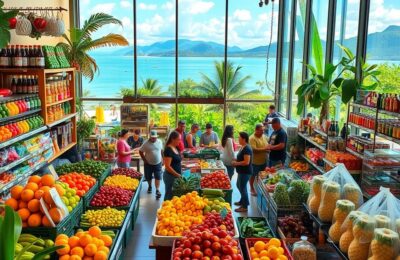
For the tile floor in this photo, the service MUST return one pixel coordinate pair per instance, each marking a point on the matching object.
(138, 247)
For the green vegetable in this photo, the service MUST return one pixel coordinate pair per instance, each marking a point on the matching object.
(251, 227)
(297, 191)
(281, 195)
(89, 167)
(213, 192)
(182, 186)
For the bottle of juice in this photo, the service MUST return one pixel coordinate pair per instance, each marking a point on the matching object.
(49, 99)
(50, 114)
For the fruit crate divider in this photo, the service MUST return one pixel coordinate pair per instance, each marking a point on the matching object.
(90, 194)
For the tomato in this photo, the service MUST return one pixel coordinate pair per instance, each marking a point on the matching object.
(206, 243)
(197, 254)
(216, 246)
(196, 248)
(187, 243)
(12, 22)
(208, 252)
(178, 254)
(227, 250)
(187, 252)
(222, 233)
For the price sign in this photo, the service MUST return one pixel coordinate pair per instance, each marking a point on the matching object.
(53, 172)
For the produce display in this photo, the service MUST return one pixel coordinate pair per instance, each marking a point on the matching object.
(304, 250)
(315, 155)
(111, 197)
(295, 226)
(215, 200)
(215, 220)
(68, 195)
(268, 171)
(216, 180)
(273, 249)
(299, 166)
(19, 106)
(107, 217)
(16, 128)
(122, 181)
(92, 244)
(211, 164)
(351, 162)
(363, 232)
(330, 194)
(5, 178)
(314, 200)
(88, 167)
(32, 245)
(127, 172)
(272, 178)
(343, 208)
(185, 185)
(80, 182)
(384, 244)
(294, 194)
(347, 236)
(254, 227)
(206, 244)
(308, 175)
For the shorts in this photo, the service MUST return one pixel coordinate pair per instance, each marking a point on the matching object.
(258, 168)
(150, 170)
(124, 164)
(272, 163)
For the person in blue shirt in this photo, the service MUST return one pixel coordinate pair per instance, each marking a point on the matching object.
(268, 120)
(277, 144)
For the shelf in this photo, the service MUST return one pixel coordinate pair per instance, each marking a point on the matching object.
(318, 168)
(349, 150)
(59, 102)
(362, 128)
(337, 249)
(382, 167)
(24, 159)
(11, 118)
(320, 132)
(23, 136)
(331, 164)
(62, 151)
(24, 70)
(392, 139)
(389, 113)
(363, 106)
(308, 139)
(50, 125)
(16, 97)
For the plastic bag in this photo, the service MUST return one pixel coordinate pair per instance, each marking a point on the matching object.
(385, 245)
(3, 157)
(330, 194)
(314, 199)
(342, 210)
(304, 250)
(12, 155)
(363, 232)
(347, 230)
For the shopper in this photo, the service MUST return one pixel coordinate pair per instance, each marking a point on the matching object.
(244, 170)
(258, 142)
(190, 140)
(277, 144)
(181, 130)
(135, 140)
(151, 154)
(267, 121)
(124, 150)
(113, 113)
(172, 162)
(228, 153)
(209, 138)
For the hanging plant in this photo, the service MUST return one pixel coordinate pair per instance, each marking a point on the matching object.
(7, 22)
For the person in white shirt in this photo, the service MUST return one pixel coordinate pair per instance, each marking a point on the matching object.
(228, 153)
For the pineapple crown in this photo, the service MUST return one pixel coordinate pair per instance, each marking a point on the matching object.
(345, 205)
(386, 236)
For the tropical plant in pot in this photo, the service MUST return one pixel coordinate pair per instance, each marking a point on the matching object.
(80, 42)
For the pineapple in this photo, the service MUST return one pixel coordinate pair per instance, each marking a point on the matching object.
(384, 244)
(363, 232)
(343, 208)
(382, 221)
(330, 194)
(352, 193)
(347, 236)
(315, 197)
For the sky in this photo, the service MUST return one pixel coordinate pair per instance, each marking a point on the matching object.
(248, 27)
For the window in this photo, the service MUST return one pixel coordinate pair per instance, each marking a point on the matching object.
(115, 64)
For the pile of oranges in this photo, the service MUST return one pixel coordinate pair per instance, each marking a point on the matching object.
(26, 201)
(80, 182)
(177, 215)
(91, 244)
(271, 250)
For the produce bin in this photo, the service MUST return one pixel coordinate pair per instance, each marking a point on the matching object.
(239, 222)
(89, 195)
(227, 197)
(76, 213)
(292, 240)
(251, 241)
(105, 174)
(261, 198)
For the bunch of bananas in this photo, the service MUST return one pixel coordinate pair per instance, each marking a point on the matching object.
(33, 244)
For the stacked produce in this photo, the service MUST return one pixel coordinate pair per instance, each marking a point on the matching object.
(299, 166)
(88, 167)
(343, 208)
(15, 128)
(112, 197)
(267, 172)
(216, 180)
(80, 182)
(315, 155)
(294, 194)
(272, 178)
(351, 162)
(92, 244)
(308, 175)
(330, 195)
(347, 236)
(68, 195)
(107, 217)
(127, 172)
(5, 178)
(122, 181)
(363, 231)
(215, 201)
(185, 185)
(206, 244)
(254, 227)
(32, 245)
(272, 249)
(383, 246)
(295, 226)
(215, 220)
(314, 199)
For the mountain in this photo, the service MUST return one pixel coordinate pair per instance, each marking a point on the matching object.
(381, 46)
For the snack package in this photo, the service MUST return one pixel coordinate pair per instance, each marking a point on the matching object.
(12, 155)
(3, 157)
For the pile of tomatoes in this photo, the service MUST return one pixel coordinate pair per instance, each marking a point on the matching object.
(79, 182)
(216, 180)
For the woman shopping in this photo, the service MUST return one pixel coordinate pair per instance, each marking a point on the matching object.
(228, 153)
(124, 150)
(172, 163)
(244, 170)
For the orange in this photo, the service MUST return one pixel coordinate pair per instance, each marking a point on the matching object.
(75, 257)
(265, 258)
(27, 195)
(95, 231)
(22, 205)
(62, 236)
(263, 253)
(35, 220)
(34, 205)
(64, 257)
(48, 198)
(90, 249)
(282, 257)
(107, 240)
(281, 250)
(24, 214)
(98, 242)
(45, 188)
(48, 180)
(13, 203)
(35, 178)
(55, 214)
(274, 242)
(16, 191)
(77, 251)
(79, 234)
(46, 221)
(100, 255)
(259, 246)
(61, 242)
(87, 258)
(39, 194)
(103, 248)
(273, 252)
(32, 186)
(60, 190)
(253, 254)
(85, 240)
(63, 251)
(73, 241)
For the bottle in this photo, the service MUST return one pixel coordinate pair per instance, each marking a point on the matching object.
(40, 58)
(48, 93)
(19, 84)
(17, 58)
(60, 90)
(4, 60)
(11, 55)
(14, 84)
(50, 114)
(30, 84)
(24, 55)
(29, 104)
(36, 84)
(31, 57)
(24, 85)
(387, 102)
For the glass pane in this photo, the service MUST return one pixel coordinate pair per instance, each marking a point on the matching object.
(105, 111)
(283, 95)
(155, 47)
(115, 63)
(201, 48)
(249, 32)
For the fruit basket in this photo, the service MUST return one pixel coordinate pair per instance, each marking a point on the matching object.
(250, 242)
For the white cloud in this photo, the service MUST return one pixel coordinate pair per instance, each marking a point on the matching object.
(382, 16)
(125, 4)
(126, 21)
(168, 5)
(242, 15)
(143, 6)
(103, 8)
(85, 2)
(196, 6)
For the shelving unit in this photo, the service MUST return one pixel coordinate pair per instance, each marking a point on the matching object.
(135, 116)
(318, 168)
(22, 137)
(19, 116)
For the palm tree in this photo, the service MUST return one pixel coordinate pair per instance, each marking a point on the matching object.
(150, 87)
(80, 42)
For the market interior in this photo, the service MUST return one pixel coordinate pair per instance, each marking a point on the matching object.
(200, 129)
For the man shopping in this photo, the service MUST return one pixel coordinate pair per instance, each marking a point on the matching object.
(277, 144)
(151, 153)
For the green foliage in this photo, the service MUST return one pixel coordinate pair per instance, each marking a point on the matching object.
(388, 78)
(150, 87)
(10, 228)
(85, 127)
(126, 92)
(5, 35)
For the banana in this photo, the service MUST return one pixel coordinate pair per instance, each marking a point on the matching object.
(18, 248)
(49, 243)
(27, 256)
(31, 238)
(35, 249)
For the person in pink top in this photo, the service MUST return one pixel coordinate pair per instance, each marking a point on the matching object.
(124, 150)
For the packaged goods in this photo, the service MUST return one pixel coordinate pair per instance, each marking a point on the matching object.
(347, 229)
(363, 231)
(304, 250)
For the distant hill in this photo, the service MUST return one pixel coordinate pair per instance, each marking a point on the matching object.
(382, 46)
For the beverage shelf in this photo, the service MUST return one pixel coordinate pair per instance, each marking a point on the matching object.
(362, 128)
(62, 151)
(27, 113)
(59, 102)
(392, 139)
(308, 139)
(318, 168)
(65, 118)
(16, 97)
(22, 137)
(33, 70)
(382, 111)
(349, 150)
(24, 159)
(363, 106)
